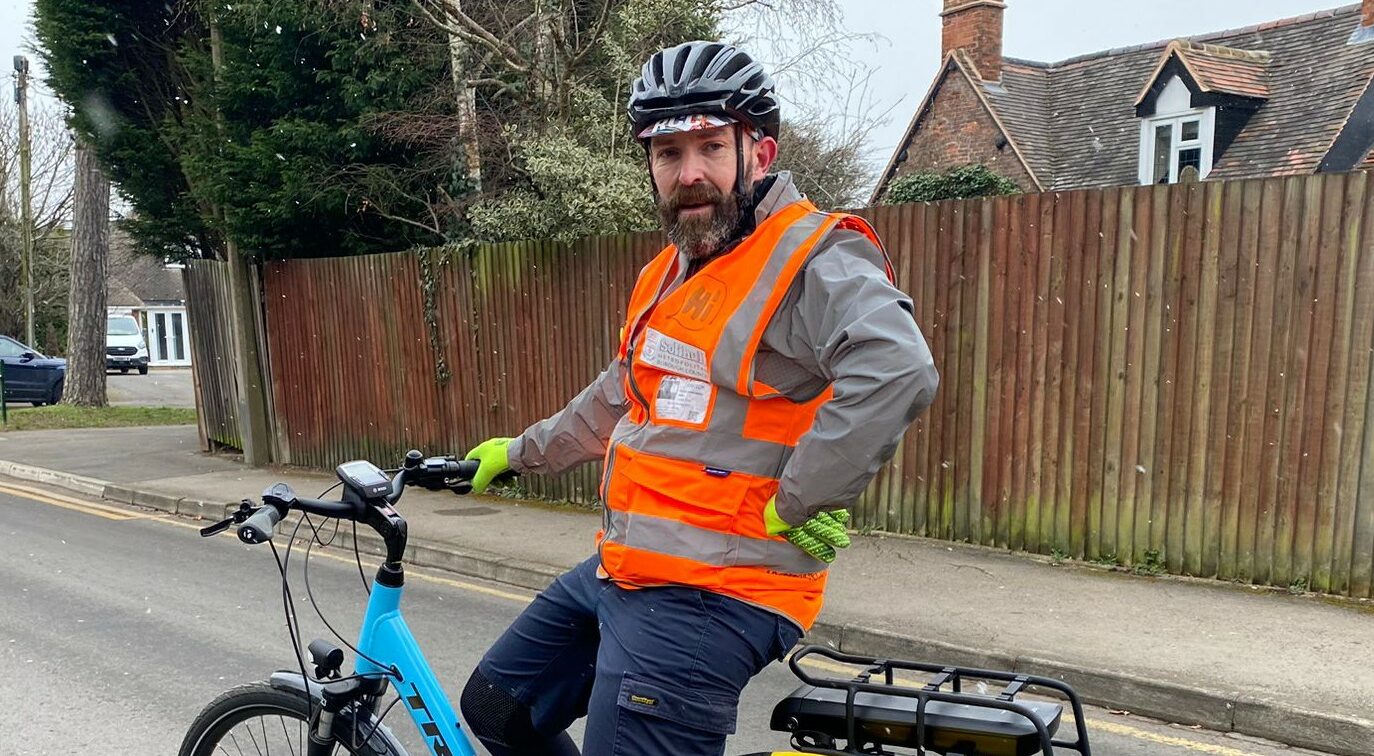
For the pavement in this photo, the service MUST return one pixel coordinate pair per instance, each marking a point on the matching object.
(1231, 658)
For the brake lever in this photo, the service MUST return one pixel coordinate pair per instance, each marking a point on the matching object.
(239, 516)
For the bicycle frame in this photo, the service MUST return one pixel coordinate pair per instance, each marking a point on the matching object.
(386, 638)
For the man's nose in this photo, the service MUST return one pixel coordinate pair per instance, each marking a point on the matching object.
(692, 170)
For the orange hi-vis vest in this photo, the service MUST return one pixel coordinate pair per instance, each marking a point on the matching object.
(691, 467)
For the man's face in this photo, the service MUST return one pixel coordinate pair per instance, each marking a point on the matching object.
(694, 172)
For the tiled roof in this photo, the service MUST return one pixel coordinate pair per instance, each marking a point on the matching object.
(1226, 70)
(1019, 101)
(1075, 121)
(135, 278)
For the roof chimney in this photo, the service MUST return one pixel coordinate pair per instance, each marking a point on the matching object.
(975, 26)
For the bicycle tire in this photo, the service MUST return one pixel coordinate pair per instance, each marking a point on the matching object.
(245, 703)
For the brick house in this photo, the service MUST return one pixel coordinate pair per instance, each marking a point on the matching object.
(1294, 96)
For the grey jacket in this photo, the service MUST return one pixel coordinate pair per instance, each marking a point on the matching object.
(842, 324)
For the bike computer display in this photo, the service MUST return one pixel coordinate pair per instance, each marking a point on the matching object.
(364, 478)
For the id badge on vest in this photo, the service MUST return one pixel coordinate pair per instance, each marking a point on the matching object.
(683, 399)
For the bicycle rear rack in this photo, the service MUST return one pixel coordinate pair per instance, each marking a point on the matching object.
(953, 676)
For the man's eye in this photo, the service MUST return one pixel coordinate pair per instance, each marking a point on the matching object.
(715, 146)
(667, 154)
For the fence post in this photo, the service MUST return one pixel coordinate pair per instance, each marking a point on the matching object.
(252, 397)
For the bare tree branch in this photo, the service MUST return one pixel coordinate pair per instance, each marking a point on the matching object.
(471, 31)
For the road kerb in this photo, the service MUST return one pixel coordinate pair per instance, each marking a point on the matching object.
(884, 644)
(1183, 704)
(160, 502)
(1332, 733)
(75, 483)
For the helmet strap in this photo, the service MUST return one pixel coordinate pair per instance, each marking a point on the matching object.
(739, 160)
(649, 163)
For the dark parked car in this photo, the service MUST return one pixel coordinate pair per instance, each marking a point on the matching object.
(29, 376)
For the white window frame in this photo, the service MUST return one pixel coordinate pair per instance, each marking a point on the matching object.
(1207, 123)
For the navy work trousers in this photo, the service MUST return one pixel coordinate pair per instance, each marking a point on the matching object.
(655, 670)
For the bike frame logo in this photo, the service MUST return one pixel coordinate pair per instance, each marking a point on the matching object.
(427, 725)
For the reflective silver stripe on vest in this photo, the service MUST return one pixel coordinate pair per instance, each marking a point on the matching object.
(728, 354)
(660, 536)
(725, 449)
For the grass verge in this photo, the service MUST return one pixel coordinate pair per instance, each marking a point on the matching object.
(61, 417)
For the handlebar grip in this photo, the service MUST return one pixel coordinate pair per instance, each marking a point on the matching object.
(466, 469)
(260, 526)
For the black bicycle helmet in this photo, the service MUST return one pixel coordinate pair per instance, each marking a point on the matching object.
(701, 78)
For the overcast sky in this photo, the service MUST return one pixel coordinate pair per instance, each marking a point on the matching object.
(905, 60)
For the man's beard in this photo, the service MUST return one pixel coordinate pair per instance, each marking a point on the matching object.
(700, 237)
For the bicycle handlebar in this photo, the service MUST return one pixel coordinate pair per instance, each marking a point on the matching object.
(434, 473)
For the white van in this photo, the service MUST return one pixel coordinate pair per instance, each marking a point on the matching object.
(124, 345)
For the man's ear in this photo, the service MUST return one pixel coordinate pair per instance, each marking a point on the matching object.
(765, 153)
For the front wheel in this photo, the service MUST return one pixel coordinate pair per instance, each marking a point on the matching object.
(259, 719)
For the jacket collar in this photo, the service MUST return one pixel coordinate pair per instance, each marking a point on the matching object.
(782, 193)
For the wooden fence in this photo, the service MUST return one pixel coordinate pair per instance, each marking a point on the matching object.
(437, 350)
(1171, 377)
(208, 307)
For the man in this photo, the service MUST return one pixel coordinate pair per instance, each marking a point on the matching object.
(766, 370)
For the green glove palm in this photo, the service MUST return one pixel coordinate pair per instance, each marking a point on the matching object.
(818, 536)
(494, 456)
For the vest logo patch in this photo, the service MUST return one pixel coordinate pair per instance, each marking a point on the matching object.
(643, 700)
(667, 353)
(702, 302)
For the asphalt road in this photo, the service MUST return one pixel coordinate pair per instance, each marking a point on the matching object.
(161, 387)
(116, 627)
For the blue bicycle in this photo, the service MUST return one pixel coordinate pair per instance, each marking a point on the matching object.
(324, 713)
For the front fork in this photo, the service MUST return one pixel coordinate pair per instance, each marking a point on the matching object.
(335, 697)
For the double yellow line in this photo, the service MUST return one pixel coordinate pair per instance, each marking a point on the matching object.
(67, 502)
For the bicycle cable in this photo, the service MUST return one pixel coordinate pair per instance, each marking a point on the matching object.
(292, 625)
(319, 613)
(293, 630)
(377, 725)
(358, 558)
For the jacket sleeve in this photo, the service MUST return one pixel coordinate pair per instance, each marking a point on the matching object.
(856, 330)
(578, 433)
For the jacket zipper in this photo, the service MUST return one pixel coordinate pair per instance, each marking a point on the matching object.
(634, 385)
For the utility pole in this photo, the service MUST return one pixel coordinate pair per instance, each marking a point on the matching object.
(21, 97)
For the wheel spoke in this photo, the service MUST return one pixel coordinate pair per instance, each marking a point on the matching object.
(286, 735)
(254, 738)
(245, 729)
